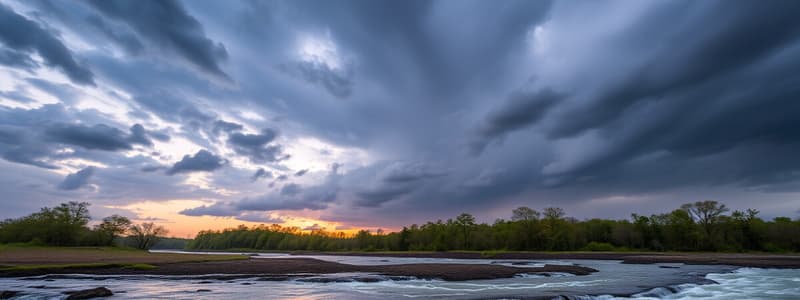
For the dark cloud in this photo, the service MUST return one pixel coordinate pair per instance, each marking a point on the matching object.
(290, 189)
(338, 83)
(127, 40)
(77, 180)
(402, 172)
(644, 102)
(100, 136)
(732, 42)
(12, 58)
(168, 25)
(228, 127)
(290, 197)
(261, 173)
(259, 218)
(314, 227)
(148, 169)
(202, 161)
(255, 146)
(300, 173)
(216, 210)
(24, 35)
(377, 196)
(521, 110)
(139, 136)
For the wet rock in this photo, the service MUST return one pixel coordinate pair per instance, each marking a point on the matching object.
(325, 279)
(8, 294)
(368, 279)
(89, 294)
(273, 278)
(43, 287)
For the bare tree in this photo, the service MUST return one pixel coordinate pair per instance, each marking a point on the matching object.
(146, 234)
(524, 213)
(706, 213)
(112, 227)
(554, 213)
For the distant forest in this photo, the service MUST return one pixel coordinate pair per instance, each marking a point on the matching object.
(699, 226)
(68, 225)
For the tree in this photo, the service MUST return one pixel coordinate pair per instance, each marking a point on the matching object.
(66, 222)
(554, 213)
(112, 227)
(466, 222)
(706, 213)
(524, 213)
(146, 235)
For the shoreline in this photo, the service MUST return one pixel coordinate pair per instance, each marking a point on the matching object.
(780, 261)
(287, 268)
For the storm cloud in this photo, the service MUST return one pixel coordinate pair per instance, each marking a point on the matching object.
(369, 114)
(202, 161)
(168, 25)
(77, 180)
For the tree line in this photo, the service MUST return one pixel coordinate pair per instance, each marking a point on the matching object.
(699, 226)
(68, 225)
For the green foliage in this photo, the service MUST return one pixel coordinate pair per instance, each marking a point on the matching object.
(595, 246)
(66, 225)
(701, 226)
(139, 267)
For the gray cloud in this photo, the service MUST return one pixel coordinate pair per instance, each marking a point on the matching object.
(521, 110)
(169, 25)
(290, 189)
(202, 161)
(261, 173)
(99, 136)
(77, 180)
(255, 146)
(228, 127)
(17, 59)
(300, 173)
(216, 210)
(704, 57)
(644, 103)
(259, 218)
(314, 227)
(22, 34)
(127, 40)
(338, 83)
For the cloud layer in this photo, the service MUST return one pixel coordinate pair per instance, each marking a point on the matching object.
(374, 114)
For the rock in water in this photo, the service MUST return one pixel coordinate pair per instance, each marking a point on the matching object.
(8, 294)
(89, 294)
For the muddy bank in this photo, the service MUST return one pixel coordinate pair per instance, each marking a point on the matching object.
(733, 259)
(278, 267)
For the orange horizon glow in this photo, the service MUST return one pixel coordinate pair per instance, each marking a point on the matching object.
(165, 213)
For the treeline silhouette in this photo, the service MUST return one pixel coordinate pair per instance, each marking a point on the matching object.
(699, 226)
(67, 225)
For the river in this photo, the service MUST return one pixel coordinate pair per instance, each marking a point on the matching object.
(657, 281)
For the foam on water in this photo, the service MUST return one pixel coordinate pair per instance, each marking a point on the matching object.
(613, 278)
(744, 283)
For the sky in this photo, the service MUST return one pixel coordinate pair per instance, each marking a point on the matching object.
(377, 114)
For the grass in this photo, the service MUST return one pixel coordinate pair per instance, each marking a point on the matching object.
(16, 257)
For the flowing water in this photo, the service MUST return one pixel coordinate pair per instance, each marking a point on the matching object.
(658, 281)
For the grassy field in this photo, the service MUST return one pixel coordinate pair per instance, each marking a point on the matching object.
(19, 257)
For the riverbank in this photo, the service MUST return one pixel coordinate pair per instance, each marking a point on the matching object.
(791, 261)
(35, 261)
(289, 268)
